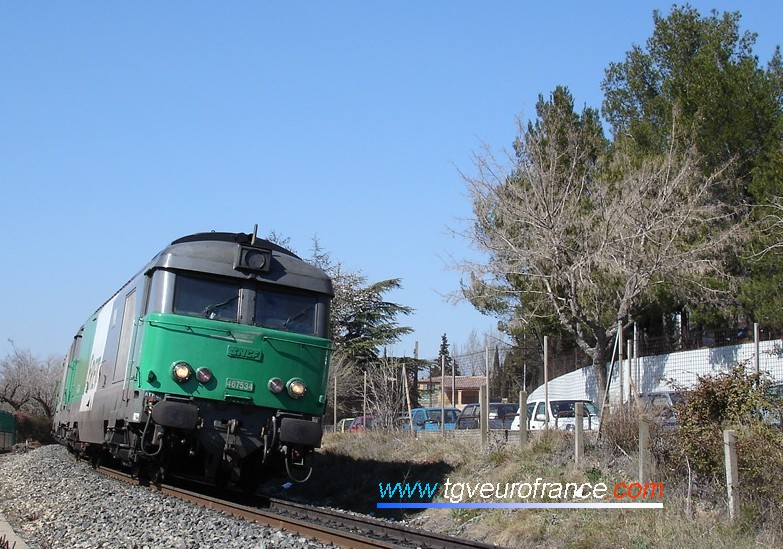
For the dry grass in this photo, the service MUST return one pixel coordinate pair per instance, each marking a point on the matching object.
(350, 467)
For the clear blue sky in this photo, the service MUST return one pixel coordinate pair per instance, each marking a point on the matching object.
(125, 125)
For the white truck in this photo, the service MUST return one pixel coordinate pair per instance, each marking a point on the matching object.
(562, 414)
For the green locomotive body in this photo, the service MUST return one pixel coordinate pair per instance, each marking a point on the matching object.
(211, 362)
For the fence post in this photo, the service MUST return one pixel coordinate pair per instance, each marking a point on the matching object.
(522, 418)
(620, 362)
(732, 475)
(443, 395)
(483, 415)
(756, 349)
(579, 443)
(644, 449)
(546, 381)
(334, 404)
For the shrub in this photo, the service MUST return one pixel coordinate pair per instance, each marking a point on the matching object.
(729, 400)
(34, 428)
(620, 428)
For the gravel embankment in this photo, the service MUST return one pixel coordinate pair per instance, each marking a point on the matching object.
(53, 501)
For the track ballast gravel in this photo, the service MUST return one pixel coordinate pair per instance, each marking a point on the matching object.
(53, 501)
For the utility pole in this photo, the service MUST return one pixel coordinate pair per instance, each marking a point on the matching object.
(335, 401)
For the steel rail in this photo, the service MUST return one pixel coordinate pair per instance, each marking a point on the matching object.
(398, 532)
(325, 525)
(272, 519)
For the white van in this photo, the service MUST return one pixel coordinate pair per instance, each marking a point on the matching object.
(561, 415)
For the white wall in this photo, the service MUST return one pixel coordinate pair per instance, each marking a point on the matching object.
(652, 373)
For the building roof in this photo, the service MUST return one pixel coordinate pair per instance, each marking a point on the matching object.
(460, 382)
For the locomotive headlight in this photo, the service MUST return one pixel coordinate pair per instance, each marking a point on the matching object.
(204, 375)
(181, 372)
(253, 259)
(275, 385)
(296, 388)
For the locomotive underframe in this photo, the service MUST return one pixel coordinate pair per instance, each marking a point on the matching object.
(217, 442)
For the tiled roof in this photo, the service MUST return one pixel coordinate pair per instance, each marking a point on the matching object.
(460, 382)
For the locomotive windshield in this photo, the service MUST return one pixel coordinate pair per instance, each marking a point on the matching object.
(286, 311)
(219, 300)
(206, 298)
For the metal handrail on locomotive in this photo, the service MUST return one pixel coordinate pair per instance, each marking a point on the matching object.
(211, 363)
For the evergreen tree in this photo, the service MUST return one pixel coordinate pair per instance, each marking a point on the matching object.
(701, 73)
(362, 321)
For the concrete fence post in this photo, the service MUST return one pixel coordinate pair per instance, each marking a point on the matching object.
(644, 450)
(522, 418)
(579, 443)
(484, 415)
(732, 475)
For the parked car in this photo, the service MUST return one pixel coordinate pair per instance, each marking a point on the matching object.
(501, 414)
(402, 420)
(343, 425)
(362, 423)
(661, 406)
(428, 419)
(561, 415)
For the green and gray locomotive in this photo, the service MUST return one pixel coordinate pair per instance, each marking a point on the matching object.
(211, 362)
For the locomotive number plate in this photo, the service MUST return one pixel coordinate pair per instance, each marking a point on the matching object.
(240, 385)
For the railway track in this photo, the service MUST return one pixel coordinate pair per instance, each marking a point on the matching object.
(325, 525)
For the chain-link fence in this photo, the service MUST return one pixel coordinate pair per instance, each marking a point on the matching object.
(659, 362)
(649, 370)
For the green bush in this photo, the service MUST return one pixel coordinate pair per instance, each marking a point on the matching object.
(34, 429)
(729, 400)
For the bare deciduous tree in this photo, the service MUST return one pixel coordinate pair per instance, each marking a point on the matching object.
(583, 238)
(28, 383)
(771, 226)
(346, 377)
(385, 391)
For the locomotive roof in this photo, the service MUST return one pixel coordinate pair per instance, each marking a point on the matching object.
(191, 253)
(239, 238)
(214, 253)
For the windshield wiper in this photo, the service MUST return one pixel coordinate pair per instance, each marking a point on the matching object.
(298, 315)
(209, 312)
